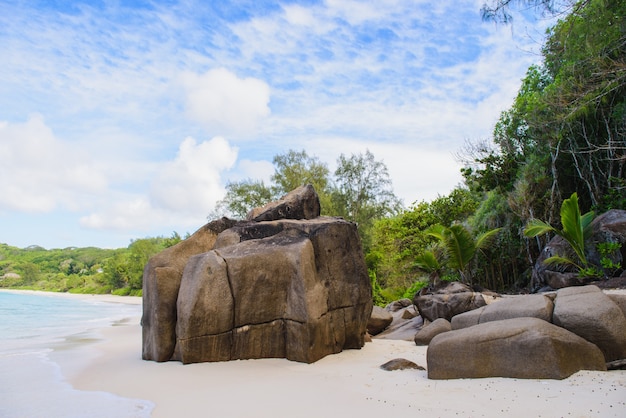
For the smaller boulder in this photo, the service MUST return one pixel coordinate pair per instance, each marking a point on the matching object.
(532, 306)
(427, 333)
(400, 364)
(590, 313)
(446, 302)
(406, 321)
(301, 203)
(379, 320)
(525, 348)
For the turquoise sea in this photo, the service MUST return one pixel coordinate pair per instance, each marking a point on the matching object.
(38, 329)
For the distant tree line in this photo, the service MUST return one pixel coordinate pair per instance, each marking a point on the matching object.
(80, 270)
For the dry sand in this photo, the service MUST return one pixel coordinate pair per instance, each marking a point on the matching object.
(349, 384)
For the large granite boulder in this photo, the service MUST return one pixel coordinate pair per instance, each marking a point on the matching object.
(161, 280)
(292, 288)
(591, 314)
(447, 301)
(301, 294)
(608, 227)
(532, 306)
(527, 348)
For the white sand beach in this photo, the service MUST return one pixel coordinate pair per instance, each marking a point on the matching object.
(106, 367)
(347, 384)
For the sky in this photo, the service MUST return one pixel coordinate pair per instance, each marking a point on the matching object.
(124, 119)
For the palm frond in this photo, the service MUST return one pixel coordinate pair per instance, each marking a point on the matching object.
(485, 239)
(536, 227)
(427, 261)
(557, 260)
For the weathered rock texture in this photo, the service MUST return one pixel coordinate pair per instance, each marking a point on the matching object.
(527, 348)
(292, 288)
(588, 312)
(302, 203)
(583, 311)
(430, 331)
(608, 227)
(379, 320)
(406, 321)
(532, 306)
(445, 302)
(161, 281)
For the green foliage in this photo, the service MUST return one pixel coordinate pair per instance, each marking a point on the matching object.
(294, 169)
(363, 192)
(399, 240)
(80, 270)
(575, 230)
(241, 197)
(608, 254)
(460, 246)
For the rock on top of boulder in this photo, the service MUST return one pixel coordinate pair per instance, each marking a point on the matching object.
(301, 203)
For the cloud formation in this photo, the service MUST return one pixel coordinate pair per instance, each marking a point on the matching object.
(224, 103)
(118, 86)
(41, 173)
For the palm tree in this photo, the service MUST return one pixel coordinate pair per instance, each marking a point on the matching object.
(576, 230)
(459, 247)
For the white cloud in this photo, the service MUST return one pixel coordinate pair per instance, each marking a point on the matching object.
(225, 103)
(192, 182)
(182, 193)
(256, 170)
(41, 172)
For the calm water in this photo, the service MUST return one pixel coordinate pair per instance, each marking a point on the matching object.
(32, 327)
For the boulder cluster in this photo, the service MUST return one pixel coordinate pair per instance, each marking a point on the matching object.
(285, 283)
(540, 336)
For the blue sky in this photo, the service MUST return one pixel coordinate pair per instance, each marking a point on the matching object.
(125, 119)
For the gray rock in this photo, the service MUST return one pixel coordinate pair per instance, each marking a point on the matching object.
(446, 302)
(400, 364)
(620, 301)
(427, 333)
(533, 306)
(527, 348)
(379, 320)
(591, 314)
(301, 203)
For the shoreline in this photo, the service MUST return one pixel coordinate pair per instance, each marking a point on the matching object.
(129, 300)
(107, 363)
(346, 384)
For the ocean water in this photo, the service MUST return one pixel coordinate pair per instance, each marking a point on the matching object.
(33, 328)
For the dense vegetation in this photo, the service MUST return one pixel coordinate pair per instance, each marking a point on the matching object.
(564, 135)
(80, 270)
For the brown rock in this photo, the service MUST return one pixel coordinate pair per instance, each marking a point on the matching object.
(161, 281)
(527, 348)
(591, 314)
(533, 306)
(446, 302)
(620, 301)
(301, 203)
(400, 364)
(301, 294)
(427, 333)
(379, 320)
